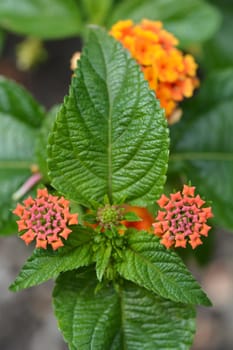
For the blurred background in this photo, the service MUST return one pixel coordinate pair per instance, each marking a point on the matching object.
(36, 54)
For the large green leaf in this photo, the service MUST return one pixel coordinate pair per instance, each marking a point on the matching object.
(20, 118)
(202, 144)
(150, 265)
(41, 18)
(44, 265)
(186, 19)
(129, 319)
(110, 136)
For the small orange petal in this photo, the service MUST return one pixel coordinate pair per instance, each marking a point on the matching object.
(194, 240)
(199, 201)
(57, 244)
(21, 225)
(28, 236)
(29, 201)
(41, 243)
(65, 233)
(204, 230)
(176, 196)
(42, 192)
(19, 210)
(180, 240)
(73, 219)
(162, 201)
(167, 240)
(188, 190)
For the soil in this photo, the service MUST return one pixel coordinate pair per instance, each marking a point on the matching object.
(26, 318)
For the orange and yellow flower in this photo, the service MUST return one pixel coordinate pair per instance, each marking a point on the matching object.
(170, 73)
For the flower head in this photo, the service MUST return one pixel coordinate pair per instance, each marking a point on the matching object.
(182, 219)
(45, 219)
(109, 215)
(170, 73)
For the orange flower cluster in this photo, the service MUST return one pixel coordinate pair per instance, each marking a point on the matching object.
(45, 219)
(170, 73)
(183, 219)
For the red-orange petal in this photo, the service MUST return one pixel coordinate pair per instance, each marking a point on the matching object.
(162, 201)
(41, 243)
(21, 225)
(73, 219)
(19, 210)
(28, 236)
(65, 233)
(57, 244)
(28, 202)
(188, 190)
(42, 192)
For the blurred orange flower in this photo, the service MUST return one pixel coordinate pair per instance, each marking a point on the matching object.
(170, 73)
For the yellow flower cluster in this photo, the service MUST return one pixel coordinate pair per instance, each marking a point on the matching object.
(170, 73)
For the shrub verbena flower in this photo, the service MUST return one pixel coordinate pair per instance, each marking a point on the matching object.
(45, 219)
(170, 73)
(182, 219)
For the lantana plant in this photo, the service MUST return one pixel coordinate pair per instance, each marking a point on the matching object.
(103, 223)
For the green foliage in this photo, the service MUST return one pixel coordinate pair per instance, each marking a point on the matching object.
(127, 318)
(20, 118)
(147, 263)
(96, 11)
(186, 19)
(103, 141)
(44, 265)
(59, 18)
(42, 141)
(202, 144)
(102, 258)
(41, 18)
(218, 51)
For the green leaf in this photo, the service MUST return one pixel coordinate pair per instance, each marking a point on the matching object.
(218, 52)
(202, 144)
(186, 19)
(131, 318)
(131, 216)
(102, 257)
(42, 141)
(147, 263)
(46, 264)
(110, 136)
(41, 18)
(20, 119)
(96, 11)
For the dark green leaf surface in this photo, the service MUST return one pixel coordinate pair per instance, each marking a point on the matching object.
(202, 144)
(44, 265)
(218, 52)
(147, 263)
(20, 118)
(41, 18)
(186, 19)
(110, 136)
(130, 319)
